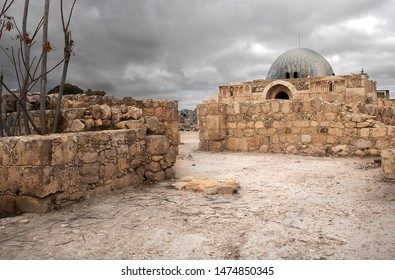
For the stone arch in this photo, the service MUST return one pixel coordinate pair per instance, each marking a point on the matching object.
(279, 90)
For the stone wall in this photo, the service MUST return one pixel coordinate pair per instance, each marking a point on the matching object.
(383, 110)
(312, 127)
(139, 142)
(347, 89)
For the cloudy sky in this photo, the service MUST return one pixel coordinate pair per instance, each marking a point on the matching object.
(184, 49)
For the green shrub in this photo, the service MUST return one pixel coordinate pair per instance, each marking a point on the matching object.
(68, 89)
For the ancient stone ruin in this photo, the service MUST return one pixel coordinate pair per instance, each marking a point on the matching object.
(301, 108)
(106, 143)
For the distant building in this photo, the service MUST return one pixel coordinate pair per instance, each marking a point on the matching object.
(383, 94)
(300, 74)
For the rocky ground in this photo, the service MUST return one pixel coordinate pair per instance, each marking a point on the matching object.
(288, 207)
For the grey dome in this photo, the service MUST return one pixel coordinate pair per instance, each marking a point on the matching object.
(299, 63)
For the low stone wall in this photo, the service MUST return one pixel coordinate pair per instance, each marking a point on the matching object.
(313, 127)
(106, 145)
(40, 172)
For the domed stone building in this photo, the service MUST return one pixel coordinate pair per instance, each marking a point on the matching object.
(301, 107)
(299, 74)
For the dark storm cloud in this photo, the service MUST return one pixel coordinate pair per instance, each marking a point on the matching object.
(184, 49)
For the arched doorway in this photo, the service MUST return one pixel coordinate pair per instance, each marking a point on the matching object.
(279, 91)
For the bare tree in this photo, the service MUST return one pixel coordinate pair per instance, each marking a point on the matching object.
(27, 69)
(68, 48)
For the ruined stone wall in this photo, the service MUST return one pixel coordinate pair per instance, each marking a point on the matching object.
(383, 110)
(347, 89)
(313, 127)
(109, 147)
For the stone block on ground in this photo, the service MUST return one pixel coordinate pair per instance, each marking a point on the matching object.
(388, 163)
(207, 185)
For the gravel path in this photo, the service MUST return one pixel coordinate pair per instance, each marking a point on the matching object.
(289, 207)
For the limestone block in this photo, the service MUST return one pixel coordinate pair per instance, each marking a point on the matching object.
(254, 143)
(88, 155)
(388, 163)
(129, 180)
(364, 132)
(259, 124)
(98, 122)
(301, 123)
(316, 104)
(116, 114)
(292, 138)
(291, 150)
(73, 114)
(157, 144)
(75, 126)
(122, 164)
(340, 149)
(155, 176)
(170, 173)
(306, 138)
(109, 170)
(170, 157)
(379, 132)
(363, 144)
(89, 173)
(154, 126)
(89, 124)
(132, 113)
(335, 132)
(100, 111)
(36, 150)
(286, 107)
(208, 185)
(352, 125)
(382, 144)
(364, 124)
(330, 116)
(154, 166)
(275, 106)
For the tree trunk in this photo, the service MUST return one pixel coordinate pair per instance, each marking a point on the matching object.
(26, 78)
(1, 104)
(43, 88)
(68, 47)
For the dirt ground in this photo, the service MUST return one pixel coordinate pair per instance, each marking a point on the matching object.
(289, 207)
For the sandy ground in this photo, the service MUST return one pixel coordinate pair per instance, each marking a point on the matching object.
(289, 207)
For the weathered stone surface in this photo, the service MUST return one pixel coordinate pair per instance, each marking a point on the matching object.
(388, 163)
(155, 176)
(133, 113)
(89, 173)
(157, 144)
(363, 144)
(208, 185)
(101, 111)
(88, 155)
(154, 126)
(15, 204)
(75, 126)
(29, 147)
(289, 128)
(306, 138)
(76, 165)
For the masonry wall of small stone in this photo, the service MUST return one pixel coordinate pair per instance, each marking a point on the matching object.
(140, 142)
(383, 110)
(313, 127)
